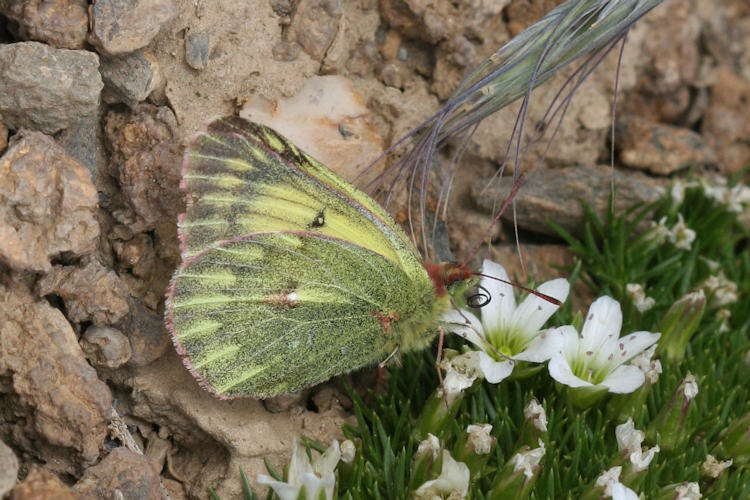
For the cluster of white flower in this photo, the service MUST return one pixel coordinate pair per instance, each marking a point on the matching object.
(735, 198)
(507, 333)
(680, 235)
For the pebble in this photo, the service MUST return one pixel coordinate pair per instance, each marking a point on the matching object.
(41, 484)
(197, 45)
(121, 474)
(123, 26)
(130, 79)
(47, 89)
(8, 469)
(105, 346)
(49, 204)
(60, 23)
(658, 148)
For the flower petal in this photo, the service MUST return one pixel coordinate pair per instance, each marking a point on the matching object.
(622, 492)
(559, 369)
(534, 311)
(494, 371)
(327, 462)
(603, 323)
(284, 490)
(542, 347)
(624, 379)
(456, 322)
(497, 314)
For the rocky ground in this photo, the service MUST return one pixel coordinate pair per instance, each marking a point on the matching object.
(96, 104)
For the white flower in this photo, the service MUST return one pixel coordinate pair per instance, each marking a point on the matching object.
(506, 331)
(535, 412)
(691, 387)
(348, 451)
(713, 468)
(610, 481)
(677, 193)
(629, 440)
(724, 315)
(723, 290)
(462, 370)
(318, 477)
(737, 197)
(687, 491)
(430, 446)
(637, 295)
(596, 356)
(650, 368)
(681, 235)
(528, 461)
(453, 481)
(659, 231)
(479, 438)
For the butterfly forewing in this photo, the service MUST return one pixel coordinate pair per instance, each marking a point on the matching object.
(244, 178)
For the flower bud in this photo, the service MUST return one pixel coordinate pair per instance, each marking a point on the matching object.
(735, 442)
(679, 324)
(666, 428)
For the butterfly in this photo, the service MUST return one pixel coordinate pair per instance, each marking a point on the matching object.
(290, 275)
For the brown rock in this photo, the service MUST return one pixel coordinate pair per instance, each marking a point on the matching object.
(3, 137)
(47, 203)
(726, 124)
(122, 473)
(660, 149)
(145, 148)
(91, 292)
(47, 89)
(555, 195)
(41, 484)
(8, 469)
(122, 26)
(56, 408)
(59, 23)
(174, 489)
(315, 24)
(145, 330)
(429, 21)
(105, 346)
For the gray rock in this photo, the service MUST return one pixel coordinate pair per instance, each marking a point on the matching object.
(555, 195)
(82, 141)
(47, 89)
(8, 469)
(60, 23)
(197, 45)
(120, 27)
(105, 346)
(130, 79)
(660, 149)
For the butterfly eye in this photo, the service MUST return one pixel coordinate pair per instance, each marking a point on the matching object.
(478, 297)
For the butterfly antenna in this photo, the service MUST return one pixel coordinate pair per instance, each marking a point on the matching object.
(511, 196)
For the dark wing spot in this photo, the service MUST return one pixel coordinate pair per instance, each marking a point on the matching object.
(319, 220)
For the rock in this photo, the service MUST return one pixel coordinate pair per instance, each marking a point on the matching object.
(429, 21)
(315, 24)
(328, 120)
(8, 469)
(145, 148)
(3, 137)
(726, 124)
(136, 254)
(56, 409)
(555, 195)
(47, 204)
(59, 23)
(174, 489)
(91, 292)
(660, 149)
(83, 142)
(122, 26)
(145, 330)
(121, 474)
(283, 402)
(47, 89)
(130, 79)
(41, 484)
(105, 346)
(197, 45)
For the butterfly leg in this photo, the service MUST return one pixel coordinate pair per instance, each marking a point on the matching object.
(381, 368)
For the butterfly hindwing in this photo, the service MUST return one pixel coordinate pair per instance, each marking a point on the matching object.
(276, 312)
